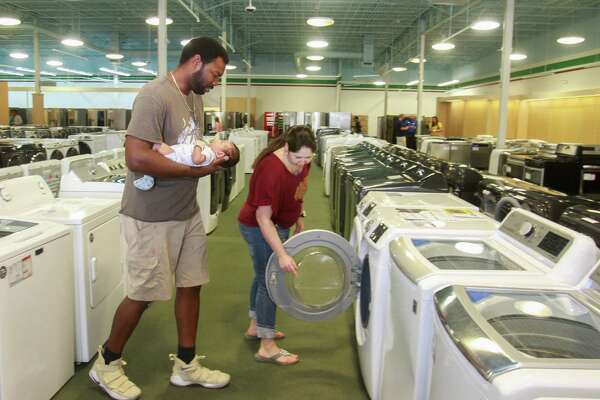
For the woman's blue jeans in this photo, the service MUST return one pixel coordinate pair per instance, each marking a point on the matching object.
(262, 307)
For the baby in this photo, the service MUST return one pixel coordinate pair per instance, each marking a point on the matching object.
(199, 154)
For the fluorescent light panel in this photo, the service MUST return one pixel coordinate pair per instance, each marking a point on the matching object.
(5, 72)
(72, 42)
(185, 41)
(74, 71)
(448, 83)
(19, 55)
(54, 63)
(301, 76)
(313, 68)
(9, 21)
(115, 56)
(570, 40)
(379, 83)
(33, 71)
(399, 69)
(518, 56)
(154, 21)
(230, 67)
(148, 71)
(139, 63)
(315, 58)
(485, 25)
(417, 60)
(412, 83)
(114, 72)
(443, 46)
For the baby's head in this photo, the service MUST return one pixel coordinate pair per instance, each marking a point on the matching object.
(226, 148)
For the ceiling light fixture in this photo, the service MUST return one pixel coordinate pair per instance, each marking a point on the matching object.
(399, 69)
(115, 56)
(230, 67)
(33, 71)
(569, 40)
(114, 72)
(54, 63)
(148, 71)
(74, 71)
(485, 25)
(317, 44)
(313, 68)
(320, 22)
(315, 58)
(19, 55)
(448, 83)
(412, 83)
(4, 72)
(379, 83)
(518, 56)
(139, 63)
(9, 21)
(301, 76)
(417, 60)
(154, 21)
(443, 46)
(72, 42)
(184, 42)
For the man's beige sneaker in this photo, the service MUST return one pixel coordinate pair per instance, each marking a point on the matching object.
(195, 374)
(112, 379)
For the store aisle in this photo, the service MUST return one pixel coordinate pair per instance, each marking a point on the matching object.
(329, 368)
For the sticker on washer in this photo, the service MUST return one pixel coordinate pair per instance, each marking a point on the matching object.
(589, 177)
(20, 270)
(590, 220)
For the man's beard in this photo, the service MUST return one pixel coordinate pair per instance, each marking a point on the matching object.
(197, 82)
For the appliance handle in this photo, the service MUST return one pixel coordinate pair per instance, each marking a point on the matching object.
(93, 274)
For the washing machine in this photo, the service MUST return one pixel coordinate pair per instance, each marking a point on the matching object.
(426, 142)
(10, 155)
(82, 177)
(11, 173)
(36, 308)
(119, 152)
(240, 176)
(253, 146)
(516, 343)
(481, 151)
(115, 166)
(96, 249)
(584, 218)
(90, 143)
(458, 151)
(103, 156)
(49, 170)
(464, 181)
(525, 250)
(115, 139)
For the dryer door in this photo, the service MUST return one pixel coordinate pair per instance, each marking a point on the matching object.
(328, 279)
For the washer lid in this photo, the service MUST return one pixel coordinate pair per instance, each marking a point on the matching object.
(328, 276)
(499, 330)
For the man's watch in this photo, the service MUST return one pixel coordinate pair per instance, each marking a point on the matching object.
(303, 214)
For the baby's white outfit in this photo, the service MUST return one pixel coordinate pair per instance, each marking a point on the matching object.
(182, 154)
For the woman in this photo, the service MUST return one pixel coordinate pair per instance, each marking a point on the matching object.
(436, 127)
(273, 206)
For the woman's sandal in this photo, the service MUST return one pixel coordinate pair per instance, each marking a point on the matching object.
(275, 358)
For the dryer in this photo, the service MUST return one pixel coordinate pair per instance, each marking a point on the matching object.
(90, 143)
(49, 170)
(11, 173)
(525, 250)
(36, 308)
(96, 251)
(520, 343)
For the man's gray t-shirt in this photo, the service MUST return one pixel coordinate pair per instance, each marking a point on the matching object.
(161, 115)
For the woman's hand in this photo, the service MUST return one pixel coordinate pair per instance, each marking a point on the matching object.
(287, 264)
(299, 226)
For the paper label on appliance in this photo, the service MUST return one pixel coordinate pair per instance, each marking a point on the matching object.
(589, 177)
(527, 175)
(508, 169)
(20, 271)
(476, 148)
(590, 220)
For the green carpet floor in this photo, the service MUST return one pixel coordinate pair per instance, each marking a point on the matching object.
(328, 369)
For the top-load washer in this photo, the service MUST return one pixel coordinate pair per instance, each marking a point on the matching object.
(90, 143)
(458, 151)
(82, 177)
(240, 176)
(516, 343)
(36, 308)
(253, 146)
(11, 173)
(333, 274)
(103, 156)
(96, 251)
(525, 250)
(49, 170)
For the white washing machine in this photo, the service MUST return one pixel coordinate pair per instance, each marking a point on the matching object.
(525, 250)
(90, 143)
(98, 268)
(49, 170)
(11, 172)
(209, 220)
(116, 166)
(119, 152)
(36, 308)
(252, 143)
(56, 149)
(82, 177)
(115, 139)
(240, 175)
(516, 344)
(103, 156)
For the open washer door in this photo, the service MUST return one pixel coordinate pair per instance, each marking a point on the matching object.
(328, 279)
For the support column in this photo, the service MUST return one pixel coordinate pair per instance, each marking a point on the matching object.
(385, 100)
(338, 96)
(507, 37)
(420, 87)
(4, 115)
(224, 76)
(248, 85)
(162, 37)
(38, 116)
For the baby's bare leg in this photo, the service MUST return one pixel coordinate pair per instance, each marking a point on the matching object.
(162, 148)
(197, 156)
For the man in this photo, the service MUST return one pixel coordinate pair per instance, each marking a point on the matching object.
(410, 123)
(162, 226)
(15, 118)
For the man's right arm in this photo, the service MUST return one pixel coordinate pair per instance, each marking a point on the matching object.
(140, 157)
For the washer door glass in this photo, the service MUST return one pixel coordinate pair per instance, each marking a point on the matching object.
(541, 324)
(328, 276)
(464, 255)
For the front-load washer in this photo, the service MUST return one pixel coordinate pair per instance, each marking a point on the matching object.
(584, 218)
(96, 251)
(90, 143)
(525, 250)
(36, 308)
(49, 170)
(11, 173)
(82, 177)
(516, 343)
(10, 155)
(57, 149)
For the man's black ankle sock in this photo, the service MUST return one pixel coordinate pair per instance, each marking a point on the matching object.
(186, 354)
(108, 355)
